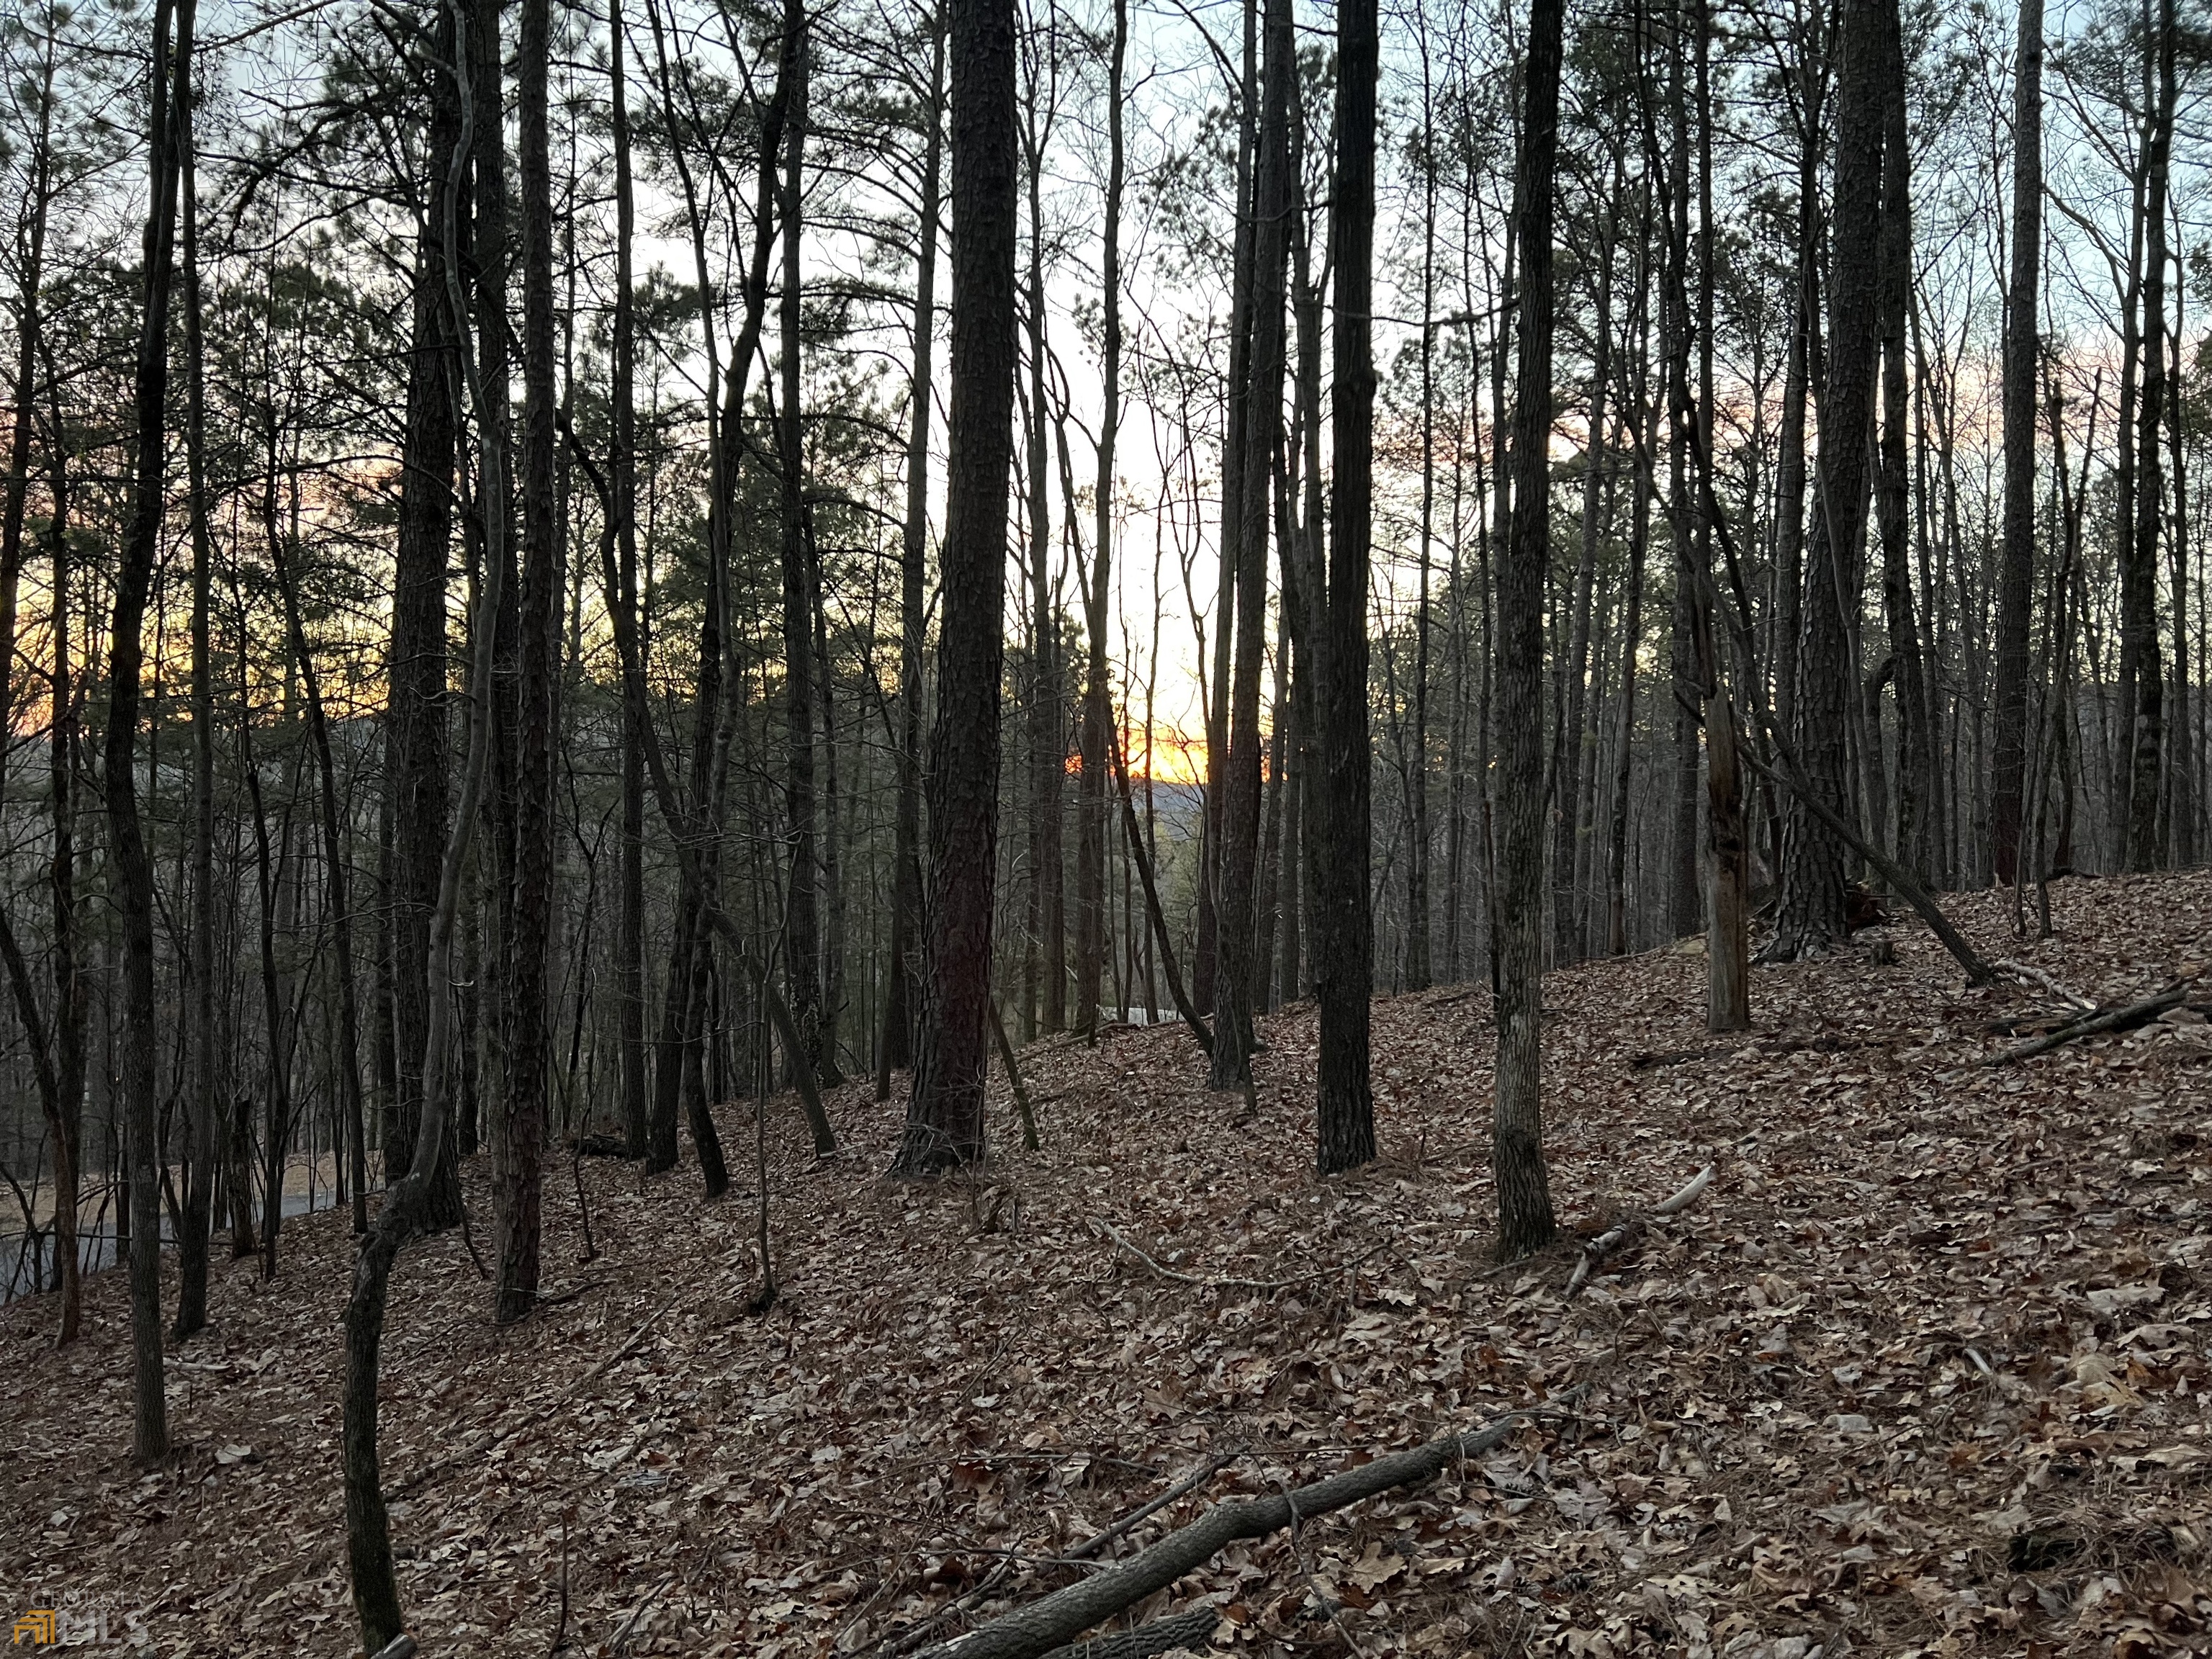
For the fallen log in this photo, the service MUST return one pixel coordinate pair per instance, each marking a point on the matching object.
(1185, 1630)
(1035, 1630)
(1624, 1232)
(1182, 1488)
(2122, 1017)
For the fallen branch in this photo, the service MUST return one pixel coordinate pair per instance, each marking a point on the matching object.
(2035, 975)
(638, 1612)
(1226, 1284)
(1622, 1233)
(2109, 1019)
(1014, 1078)
(1162, 939)
(1978, 972)
(1036, 1630)
(1190, 1483)
(1185, 1630)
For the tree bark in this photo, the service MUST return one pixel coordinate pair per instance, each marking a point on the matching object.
(1091, 928)
(802, 928)
(2016, 559)
(1344, 946)
(1810, 920)
(1525, 1196)
(945, 1107)
(897, 1052)
(134, 870)
(203, 1098)
(630, 931)
(519, 1147)
(2146, 847)
(1237, 970)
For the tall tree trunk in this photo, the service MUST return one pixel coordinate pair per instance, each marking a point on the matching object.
(2183, 787)
(416, 717)
(897, 1051)
(1916, 734)
(630, 930)
(408, 1205)
(2146, 847)
(1574, 744)
(71, 994)
(329, 820)
(1811, 918)
(134, 870)
(1525, 1196)
(1809, 81)
(802, 927)
(203, 1095)
(1344, 945)
(1685, 521)
(2016, 560)
(1091, 923)
(1043, 950)
(519, 1147)
(945, 1109)
(1205, 965)
(1237, 973)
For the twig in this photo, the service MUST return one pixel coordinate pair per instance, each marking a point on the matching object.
(2035, 975)
(1623, 1232)
(1227, 1283)
(1328, 1604)
(1188, 1484)
(638, 1612)
(1014, 1078)
(561, 1630)
(2111, 1019)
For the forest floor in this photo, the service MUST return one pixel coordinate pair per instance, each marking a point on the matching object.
(1924, 1371)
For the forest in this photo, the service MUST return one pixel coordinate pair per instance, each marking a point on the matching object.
(737, 672)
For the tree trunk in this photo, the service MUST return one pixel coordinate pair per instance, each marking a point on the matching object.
(1524, 1195)
(900, 1003)
(518, 1147)
(2016, 559)
(407, 1205)
(134, 870)
(1344, 942)
(945, 1109)
(1811, 918)
(1238, 972)
(802, 928)
(2146, 847)
(1915, 736)
(71, 994)
(1091, 926)
(630, 931)
(416, 717)
(203, 1094)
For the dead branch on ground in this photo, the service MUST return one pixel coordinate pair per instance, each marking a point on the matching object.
(2125, 1016)
(1032, 1632)
(1626, 1232)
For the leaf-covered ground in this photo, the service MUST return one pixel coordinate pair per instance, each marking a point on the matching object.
(1924, 1371)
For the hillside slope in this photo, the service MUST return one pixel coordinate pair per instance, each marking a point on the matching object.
(1925, 1370)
